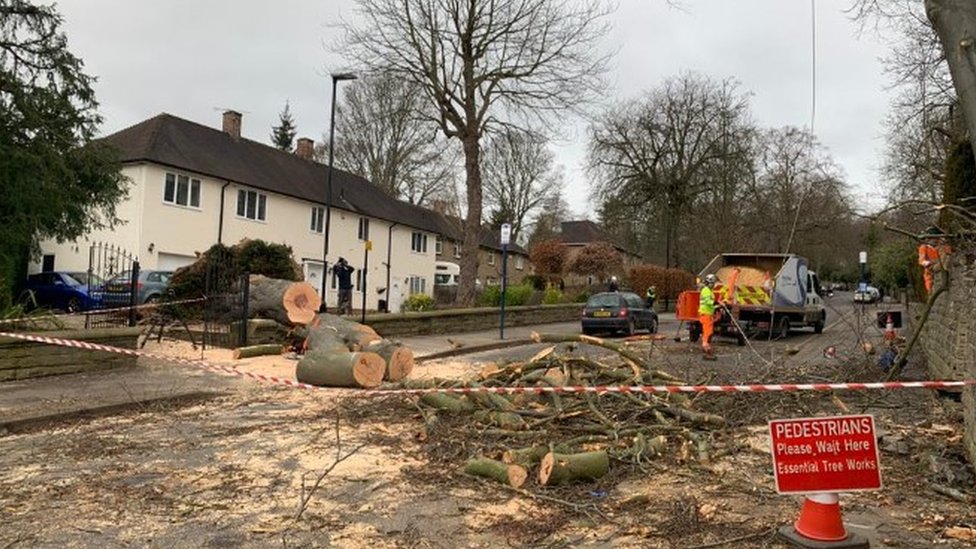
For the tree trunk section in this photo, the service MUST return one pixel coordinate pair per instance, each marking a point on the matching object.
(472, 222)
(955, 23)
(560, 468)
(528, 457)
(448, 403)
(257, 350)
(285, 301)
(341, 369)
(505, 473)
(399, 359)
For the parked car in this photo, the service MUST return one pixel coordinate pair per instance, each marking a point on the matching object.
(617, 311)
(870, 294)
(68, 291)
(152, 286)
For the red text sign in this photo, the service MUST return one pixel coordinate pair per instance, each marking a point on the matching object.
(825, 454)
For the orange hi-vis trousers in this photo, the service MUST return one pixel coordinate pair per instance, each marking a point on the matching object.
(707, 323)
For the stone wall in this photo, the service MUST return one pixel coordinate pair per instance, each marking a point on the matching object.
(469, 320)
(25, 359)
(949, 338)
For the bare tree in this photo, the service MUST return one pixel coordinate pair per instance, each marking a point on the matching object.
(519, 177)
(382, 136)
(657, 153)
(547, 224)
(483, 64)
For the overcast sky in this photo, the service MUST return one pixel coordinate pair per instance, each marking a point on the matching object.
(193, 59)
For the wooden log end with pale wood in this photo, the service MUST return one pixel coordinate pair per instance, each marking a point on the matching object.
(399, 359)
(341, 369)
(561, 468)
(504, 473)
(286, 301)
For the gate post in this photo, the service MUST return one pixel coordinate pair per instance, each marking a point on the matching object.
(133, 293)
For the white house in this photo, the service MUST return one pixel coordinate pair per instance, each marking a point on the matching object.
(191, 186)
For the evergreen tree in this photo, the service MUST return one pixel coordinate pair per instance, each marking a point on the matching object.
(283, 135)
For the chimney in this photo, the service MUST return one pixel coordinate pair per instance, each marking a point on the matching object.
(439, 206)
(305, 148)
(232, 123)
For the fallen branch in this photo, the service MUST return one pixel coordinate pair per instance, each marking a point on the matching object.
(303, 498)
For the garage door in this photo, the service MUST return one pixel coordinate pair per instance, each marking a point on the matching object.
(171, 262)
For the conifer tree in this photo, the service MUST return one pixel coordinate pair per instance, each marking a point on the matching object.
(283, 135)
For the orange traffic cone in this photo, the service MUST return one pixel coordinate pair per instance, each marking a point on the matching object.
(820, 518)
(890, 329)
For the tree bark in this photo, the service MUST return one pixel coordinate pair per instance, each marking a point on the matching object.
(341, 369)
(955, 23)
(448, 403)
(560, 468)
(505, 473)
(257, 350)
(527, 457)
(285, 301)
(472, 223)
(399, 359)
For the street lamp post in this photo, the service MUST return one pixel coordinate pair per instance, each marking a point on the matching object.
(336, 77)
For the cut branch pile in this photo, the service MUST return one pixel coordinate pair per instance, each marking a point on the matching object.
(557, 438)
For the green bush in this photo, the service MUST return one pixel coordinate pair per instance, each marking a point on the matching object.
(536, 281)
(229, 263)
(514, 295)
(552, 296)
(271, 260)
(419, 302)
(582, 297)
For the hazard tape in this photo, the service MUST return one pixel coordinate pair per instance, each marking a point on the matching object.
(568, 389)
(102, 311)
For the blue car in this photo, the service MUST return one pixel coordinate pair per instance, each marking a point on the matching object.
(68, 291)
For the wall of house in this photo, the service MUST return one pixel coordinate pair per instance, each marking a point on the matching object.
(177, 234)
(490, 272)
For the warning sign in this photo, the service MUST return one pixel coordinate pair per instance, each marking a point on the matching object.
(825, 454)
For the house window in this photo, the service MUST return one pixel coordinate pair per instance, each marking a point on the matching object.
(518, 262)
(252, 205)
(181, 190)
(490, 281)
(438, 246)
(363, 228)
(318, 219)
(418, 285)
(360, 274)
(418, 242)
(457, 250)
(491, 258)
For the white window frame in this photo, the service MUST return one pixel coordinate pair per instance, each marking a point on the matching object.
(418, 242)
(190, 182)
(438, 245)
(519, 264)
(317, 224)
(363, 228)
(417, 284)
(491, 258)
(258, 198)
(457, 250)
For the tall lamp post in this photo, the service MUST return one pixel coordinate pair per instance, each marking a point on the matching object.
(336, 77)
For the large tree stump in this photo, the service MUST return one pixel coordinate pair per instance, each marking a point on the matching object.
(341, 369)
(560, 468)
(505, 473)
(285, 301)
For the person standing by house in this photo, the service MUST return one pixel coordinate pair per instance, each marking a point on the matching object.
(706, 314)
(614, 285)
(343, 273)
(650, 296)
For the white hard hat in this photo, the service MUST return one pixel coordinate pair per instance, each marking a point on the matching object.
(613, 278)
(710, 279)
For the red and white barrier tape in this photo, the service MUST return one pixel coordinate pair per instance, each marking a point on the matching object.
(598, 389)
(101, 311)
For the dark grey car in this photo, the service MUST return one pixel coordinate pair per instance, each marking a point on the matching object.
(151, 287)
(617, 311)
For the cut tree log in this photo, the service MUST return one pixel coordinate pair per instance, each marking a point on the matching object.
(341, 369)
(447, 402)
(285, 301)
(527, 457)
(399, 359)
(257, 350)
(505, 473)
(503, 420)
(560, 468)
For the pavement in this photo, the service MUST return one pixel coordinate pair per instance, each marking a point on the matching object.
(31, 403)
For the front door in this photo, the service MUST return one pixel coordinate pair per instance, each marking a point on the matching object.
(312, 271)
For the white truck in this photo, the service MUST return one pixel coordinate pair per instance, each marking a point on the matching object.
(772, 293)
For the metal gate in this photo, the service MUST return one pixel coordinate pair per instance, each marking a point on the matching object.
(225, 309)
(113, 282)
